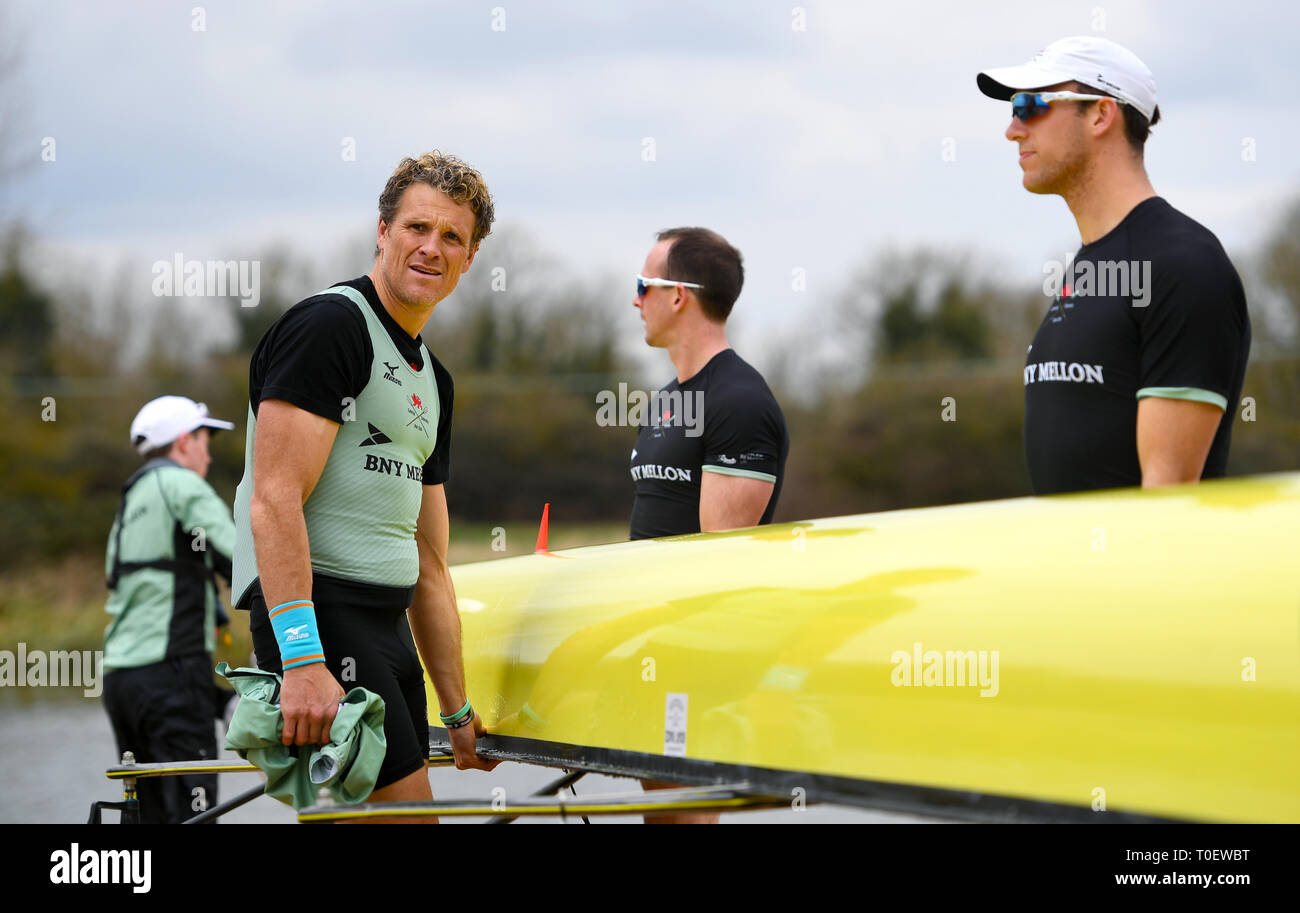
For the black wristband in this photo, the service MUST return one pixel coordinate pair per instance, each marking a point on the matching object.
(465, 722)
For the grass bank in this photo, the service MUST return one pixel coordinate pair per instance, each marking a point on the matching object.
(59, 605)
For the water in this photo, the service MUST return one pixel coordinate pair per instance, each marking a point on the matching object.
(54, 753)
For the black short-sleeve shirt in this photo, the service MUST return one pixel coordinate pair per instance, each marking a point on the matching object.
(724, 419)
(1153, 308)
(318, 354)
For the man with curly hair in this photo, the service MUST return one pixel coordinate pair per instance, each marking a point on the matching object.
(341, 517)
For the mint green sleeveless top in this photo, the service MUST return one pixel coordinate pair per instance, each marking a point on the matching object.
(361, 515)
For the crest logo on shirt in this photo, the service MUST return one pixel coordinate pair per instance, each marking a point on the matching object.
(656, 411)
(1064, 301)
(1070, 279)
(665, 421)
(419, 413)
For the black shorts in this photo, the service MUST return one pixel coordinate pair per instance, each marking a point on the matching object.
(372, 648)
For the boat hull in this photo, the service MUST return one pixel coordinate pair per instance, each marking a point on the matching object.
(1134, 652)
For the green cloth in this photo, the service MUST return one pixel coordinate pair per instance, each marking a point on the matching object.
(348, 766)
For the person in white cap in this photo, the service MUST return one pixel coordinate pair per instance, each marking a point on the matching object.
(172, 534)
(1134, 374)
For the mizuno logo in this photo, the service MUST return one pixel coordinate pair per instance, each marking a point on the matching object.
(292, 634)
(376, 436)
(388, 375)
(723, 458)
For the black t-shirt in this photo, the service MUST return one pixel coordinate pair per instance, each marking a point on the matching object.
(1153, 308)
(725, 420)
(315, 356)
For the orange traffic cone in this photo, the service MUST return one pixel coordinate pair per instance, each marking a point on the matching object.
(542, 530)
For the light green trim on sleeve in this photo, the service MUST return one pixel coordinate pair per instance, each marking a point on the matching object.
(1193, 394)
(742, 473)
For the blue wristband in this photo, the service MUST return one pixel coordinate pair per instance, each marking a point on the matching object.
(294, 624)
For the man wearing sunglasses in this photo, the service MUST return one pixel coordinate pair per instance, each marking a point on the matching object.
(722, 469)
(1134, 374)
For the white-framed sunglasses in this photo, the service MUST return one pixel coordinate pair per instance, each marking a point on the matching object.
(644, 282)
(1025, 105)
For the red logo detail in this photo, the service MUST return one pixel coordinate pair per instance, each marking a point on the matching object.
(668, 416)
(1067, 292)
(416, 401)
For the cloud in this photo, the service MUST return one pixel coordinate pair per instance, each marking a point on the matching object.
(809, 149)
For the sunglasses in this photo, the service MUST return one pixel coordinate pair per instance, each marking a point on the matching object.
(643, 283)
(1026, 105)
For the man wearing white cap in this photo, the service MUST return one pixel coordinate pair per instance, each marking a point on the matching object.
(1134, 375)
(171, 535)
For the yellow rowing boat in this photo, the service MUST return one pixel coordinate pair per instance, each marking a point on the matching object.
(1131, 654)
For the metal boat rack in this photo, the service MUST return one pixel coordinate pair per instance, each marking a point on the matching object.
(549, 801)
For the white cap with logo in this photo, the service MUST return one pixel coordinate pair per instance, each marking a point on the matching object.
(166, 418)
(1092, 61)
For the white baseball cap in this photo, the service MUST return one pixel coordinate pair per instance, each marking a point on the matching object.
(166, 418)
(1092, 61)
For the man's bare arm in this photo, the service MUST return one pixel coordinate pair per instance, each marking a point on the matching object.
(435, 623)
(289, 454)
(1174, 438)
(732, 502)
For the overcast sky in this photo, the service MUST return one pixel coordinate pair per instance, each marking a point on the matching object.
(808, 148)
